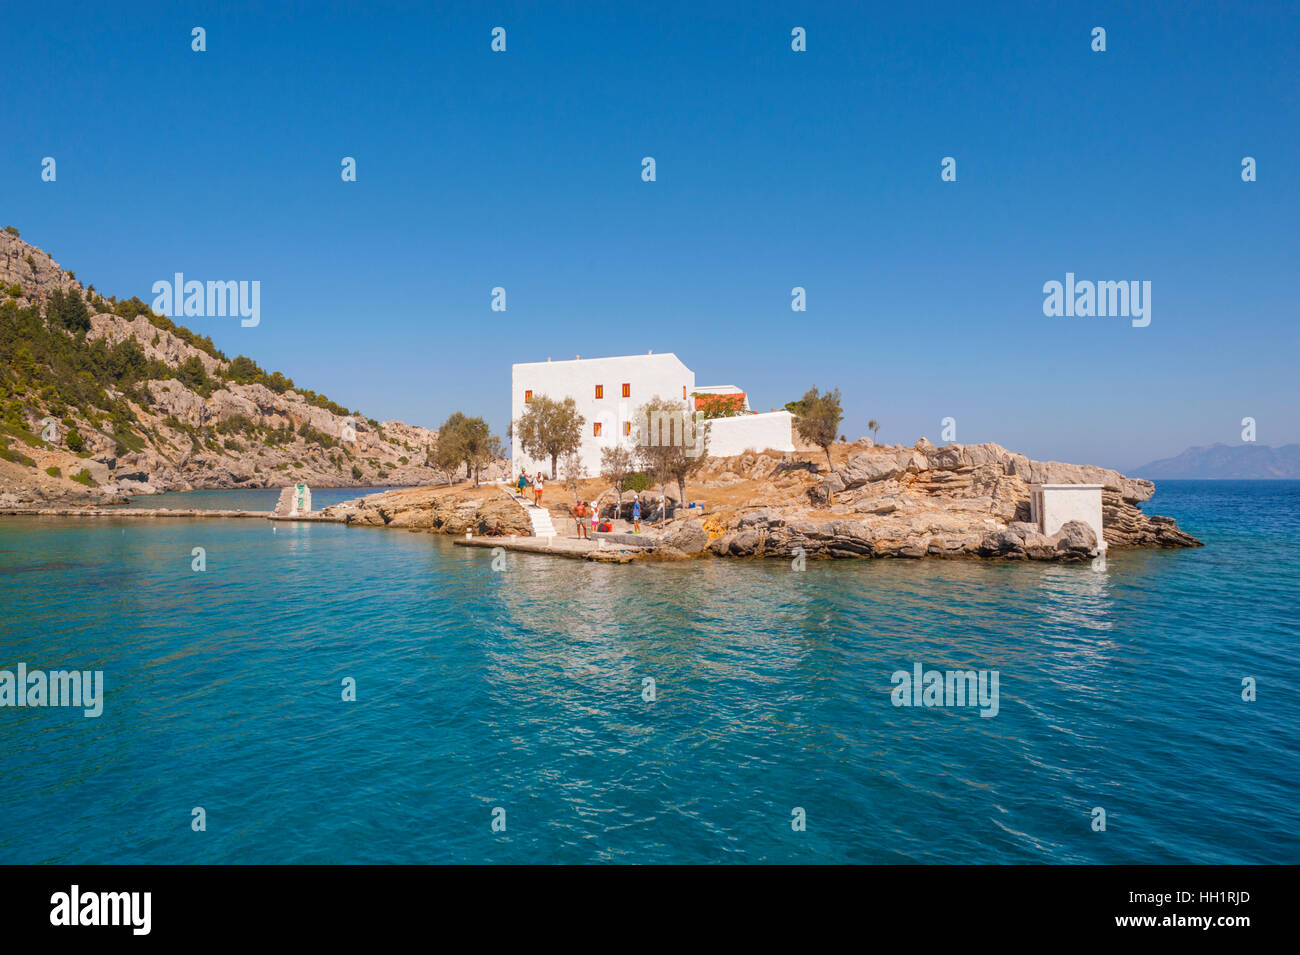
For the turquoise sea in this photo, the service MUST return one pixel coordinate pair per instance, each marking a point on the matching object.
(248, 499)
(522, 689)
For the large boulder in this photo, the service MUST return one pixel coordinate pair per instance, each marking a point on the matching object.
(871, 466)
(688, 538)
(1075, 541)
(1002, 543)
(745, 544)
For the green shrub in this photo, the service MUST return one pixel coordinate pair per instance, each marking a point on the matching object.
(17, 457)
(194, 376)
(53, 471)
(638, 481)
(68, 310)
(312, 436)
(356, 473)
(83, 477)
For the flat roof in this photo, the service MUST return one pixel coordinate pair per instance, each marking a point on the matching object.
(576, 361)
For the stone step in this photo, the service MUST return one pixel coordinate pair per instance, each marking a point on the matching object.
(540, 518)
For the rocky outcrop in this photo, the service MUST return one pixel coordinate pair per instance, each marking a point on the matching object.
(952, 501)
(33, 270)
(990, 479)
(482, 511)
(903, 503)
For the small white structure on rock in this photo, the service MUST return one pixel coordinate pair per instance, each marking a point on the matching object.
(1053, 505)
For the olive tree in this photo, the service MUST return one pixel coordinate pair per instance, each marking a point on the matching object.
(672, 441)
(549, 428)
(818, 419)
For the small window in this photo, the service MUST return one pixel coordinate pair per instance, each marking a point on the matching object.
(627, 427)
(683, 392)
(595, 430)
(600, 391)
(528, 397)
(627, 391)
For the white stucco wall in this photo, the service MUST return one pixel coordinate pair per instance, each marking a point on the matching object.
(650, 376)
(1057, 504)
(770, 431)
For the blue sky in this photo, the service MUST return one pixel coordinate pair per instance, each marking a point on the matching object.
(775, 169)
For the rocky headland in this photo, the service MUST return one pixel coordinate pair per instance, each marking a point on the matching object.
(952, 501)
(956, 501)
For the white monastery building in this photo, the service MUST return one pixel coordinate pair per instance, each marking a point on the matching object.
(609, 392)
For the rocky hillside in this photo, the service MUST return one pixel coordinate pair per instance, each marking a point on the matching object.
(102, 399)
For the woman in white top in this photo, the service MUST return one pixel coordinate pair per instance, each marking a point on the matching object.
(537, 488)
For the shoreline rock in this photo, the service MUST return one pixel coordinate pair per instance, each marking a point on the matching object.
(953, 501)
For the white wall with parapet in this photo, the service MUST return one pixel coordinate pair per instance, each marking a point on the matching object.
(722, 390)
(649, 376)
(1054, 505)
(770, 431)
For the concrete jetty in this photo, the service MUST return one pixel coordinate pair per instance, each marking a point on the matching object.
(573, 547)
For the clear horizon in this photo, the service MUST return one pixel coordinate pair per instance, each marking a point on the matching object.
(774, 169)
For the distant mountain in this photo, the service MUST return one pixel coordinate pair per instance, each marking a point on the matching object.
(1227, 463)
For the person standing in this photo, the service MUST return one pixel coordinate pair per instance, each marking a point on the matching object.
(522, 483)
(580, 519)
(636, 517)
(595, 517)
(537, 489)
